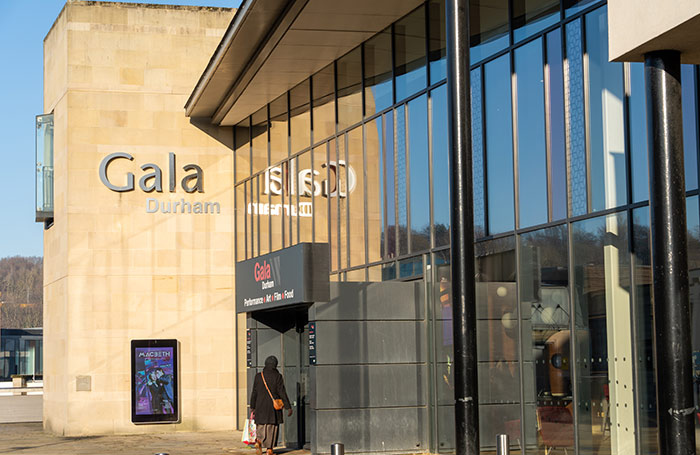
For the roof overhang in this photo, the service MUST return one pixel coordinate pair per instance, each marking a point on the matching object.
(273, 45)
(637, 27)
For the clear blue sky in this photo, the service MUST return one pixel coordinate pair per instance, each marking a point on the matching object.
(23, 25)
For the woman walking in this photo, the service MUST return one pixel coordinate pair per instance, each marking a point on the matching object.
(268, 387)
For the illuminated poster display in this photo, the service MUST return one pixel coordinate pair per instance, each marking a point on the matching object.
(154, 381)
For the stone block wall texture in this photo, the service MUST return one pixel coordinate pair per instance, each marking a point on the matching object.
(116, 78)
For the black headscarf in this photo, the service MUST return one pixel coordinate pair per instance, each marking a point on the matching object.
(271, 363)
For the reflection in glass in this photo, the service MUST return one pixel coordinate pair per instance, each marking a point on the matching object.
(254, 232)
(575, 125)
(374, 153)
(499, 145)
(437, 45)
(379, 92)
(259, 134)
(241, 139)
(340, 196)
(545, 315)
(305, 189)
(354, 186)
(323, 86)
(532, 16)
(690, 125)
(477, 154)
(333, 205)
(605, 119)
(488, 25)
(349, 79)
(390, 185)
(292, 170)
(693, 222)
(419, 168)
(638, 133)
(603, 335)
(644, 327)
(557, 133)
(572, 7)
(498, 349)
(401, 209)
(300, 128)
(241, 228)
(320, 176)
(263, 217)
(409, 54)
(441, 166)
(279, 130)
(532, 151)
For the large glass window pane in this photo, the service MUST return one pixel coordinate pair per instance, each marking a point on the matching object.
(300, 128)
(498, 350)
(644, 328)
(286, 200)
(341, 195)
(390, 185)
(263, 217)
(379, 91)
(605, 118)
(690, 125)
(44, 167)
(554, 77)
(638, 133)
(575, 123)
(441, 166)
(572, 7)
(401, 187)
(260, 140)
(419, 167)
(349, 76)
(545, 315)
(477, 154)
(321, 190)
(603, 336)
(333, 204)
(374, 152)
(499, 145)
(279, 130)
(323, 86)
(305, 188)
(354, 187)
(532, 149)
(693, 226)
(488, 26)
(241, 138)
(409, 54)
(293, 202)
(532, 16)
(241, 228)
(438, 44)
(254, 234)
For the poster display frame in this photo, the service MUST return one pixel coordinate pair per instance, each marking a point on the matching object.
(140, 380)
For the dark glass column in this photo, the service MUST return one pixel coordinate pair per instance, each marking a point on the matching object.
(669, 254)
(463, 286)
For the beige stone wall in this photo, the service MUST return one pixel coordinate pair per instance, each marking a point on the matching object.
(117, 77)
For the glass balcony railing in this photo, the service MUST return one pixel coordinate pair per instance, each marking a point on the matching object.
(44, 167)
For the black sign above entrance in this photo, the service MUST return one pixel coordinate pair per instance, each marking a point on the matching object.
(298, 274)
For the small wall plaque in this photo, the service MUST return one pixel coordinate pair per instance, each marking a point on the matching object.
(83, 383)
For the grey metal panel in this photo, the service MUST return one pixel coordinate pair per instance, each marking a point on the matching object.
(290, 341)
(344, 342)
(372, 430)
(389, 300)
(364, 386)
(269, 343)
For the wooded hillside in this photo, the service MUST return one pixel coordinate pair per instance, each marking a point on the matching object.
(21, 292)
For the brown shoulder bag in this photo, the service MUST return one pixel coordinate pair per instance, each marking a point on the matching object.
(277, 404)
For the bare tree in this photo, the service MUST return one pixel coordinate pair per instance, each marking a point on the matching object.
(21, 292)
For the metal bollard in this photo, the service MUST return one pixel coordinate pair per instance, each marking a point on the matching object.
(502, 446)
(337, 449)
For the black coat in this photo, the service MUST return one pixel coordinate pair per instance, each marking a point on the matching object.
(260, 400)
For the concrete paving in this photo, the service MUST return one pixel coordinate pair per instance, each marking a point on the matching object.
(30, 439)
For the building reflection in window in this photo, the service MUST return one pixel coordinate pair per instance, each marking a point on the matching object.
(603, 335)
(545, 317)
(693, 222)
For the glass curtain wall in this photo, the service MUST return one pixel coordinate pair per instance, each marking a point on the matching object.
(357, 156)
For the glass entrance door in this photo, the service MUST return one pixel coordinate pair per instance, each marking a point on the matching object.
(296, 372)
